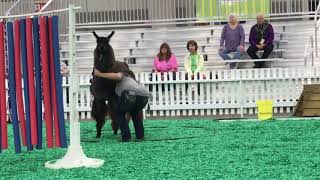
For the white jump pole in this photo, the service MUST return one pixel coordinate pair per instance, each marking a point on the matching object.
(75, 157)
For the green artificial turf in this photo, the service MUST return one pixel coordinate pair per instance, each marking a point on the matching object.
(186, 149)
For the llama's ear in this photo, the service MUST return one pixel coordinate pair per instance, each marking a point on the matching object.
(95, 34)
(110, 35)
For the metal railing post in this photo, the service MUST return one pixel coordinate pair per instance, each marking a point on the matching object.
(312, 51)
(316, 21)
(316, 31)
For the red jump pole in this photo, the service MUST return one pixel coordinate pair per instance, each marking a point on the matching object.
(17, 59)
(3, 105)
(45, 80)
(30, 59)
(53, 87)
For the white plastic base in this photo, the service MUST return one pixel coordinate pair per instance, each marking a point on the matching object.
(75, 158)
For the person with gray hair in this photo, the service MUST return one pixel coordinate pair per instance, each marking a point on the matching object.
(232, 40)
(261, 38)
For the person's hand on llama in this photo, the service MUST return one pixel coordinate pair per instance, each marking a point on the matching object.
(64, 70)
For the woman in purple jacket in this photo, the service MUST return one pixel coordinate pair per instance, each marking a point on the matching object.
(261, 38)
(232, 40)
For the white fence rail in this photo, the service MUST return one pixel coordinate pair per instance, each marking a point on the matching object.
(222, 93)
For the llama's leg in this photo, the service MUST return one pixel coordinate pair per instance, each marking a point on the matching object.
(114, 122)
(128, 117)
(113, 104)
(100, 108)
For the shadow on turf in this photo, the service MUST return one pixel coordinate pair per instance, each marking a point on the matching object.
(95, 140)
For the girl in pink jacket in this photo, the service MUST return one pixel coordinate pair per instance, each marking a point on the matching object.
(165, 60)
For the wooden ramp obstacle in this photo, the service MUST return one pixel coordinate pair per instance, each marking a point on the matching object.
(309, 101)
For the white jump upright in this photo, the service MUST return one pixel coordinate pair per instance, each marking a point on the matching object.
(75, 157)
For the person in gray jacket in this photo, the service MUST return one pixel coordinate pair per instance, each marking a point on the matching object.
(133, 97)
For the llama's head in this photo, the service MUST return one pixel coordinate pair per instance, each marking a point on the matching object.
(103, 45)
(103, 54)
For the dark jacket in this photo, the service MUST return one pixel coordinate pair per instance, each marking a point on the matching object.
(256, 34)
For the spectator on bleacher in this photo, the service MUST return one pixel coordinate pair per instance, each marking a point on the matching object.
(165, 61)
(194, 61)
(261, 38)
(232, 40)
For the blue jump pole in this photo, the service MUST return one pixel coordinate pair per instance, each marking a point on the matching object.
(12, 89)
(25, 81)
(56, 53)
(36, 45)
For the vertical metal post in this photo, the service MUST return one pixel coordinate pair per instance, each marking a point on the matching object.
(312, 51)
(75, 157)
(73, 87)
(316, 31)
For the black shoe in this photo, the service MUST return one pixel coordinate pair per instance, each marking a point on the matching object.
(139, 139)
(256, 66)
(125, 140)
(263, 66)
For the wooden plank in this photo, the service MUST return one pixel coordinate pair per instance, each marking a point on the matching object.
(311, 112)
(310, 105)
(311, 88)
(311, 97)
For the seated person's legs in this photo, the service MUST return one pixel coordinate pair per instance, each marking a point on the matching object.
(252, 52)
(224, 54)
(237, 55)
(267, 51)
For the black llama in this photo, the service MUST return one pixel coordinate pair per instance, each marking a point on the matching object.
(104, 89)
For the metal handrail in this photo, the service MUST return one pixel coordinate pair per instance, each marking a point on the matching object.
(12, 7)
(317, 25)
(309, 52)
(46, 6)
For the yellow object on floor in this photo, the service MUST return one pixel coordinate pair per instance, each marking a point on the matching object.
(265, 109)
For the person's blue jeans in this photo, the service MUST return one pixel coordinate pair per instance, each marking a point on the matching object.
(224, 54)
